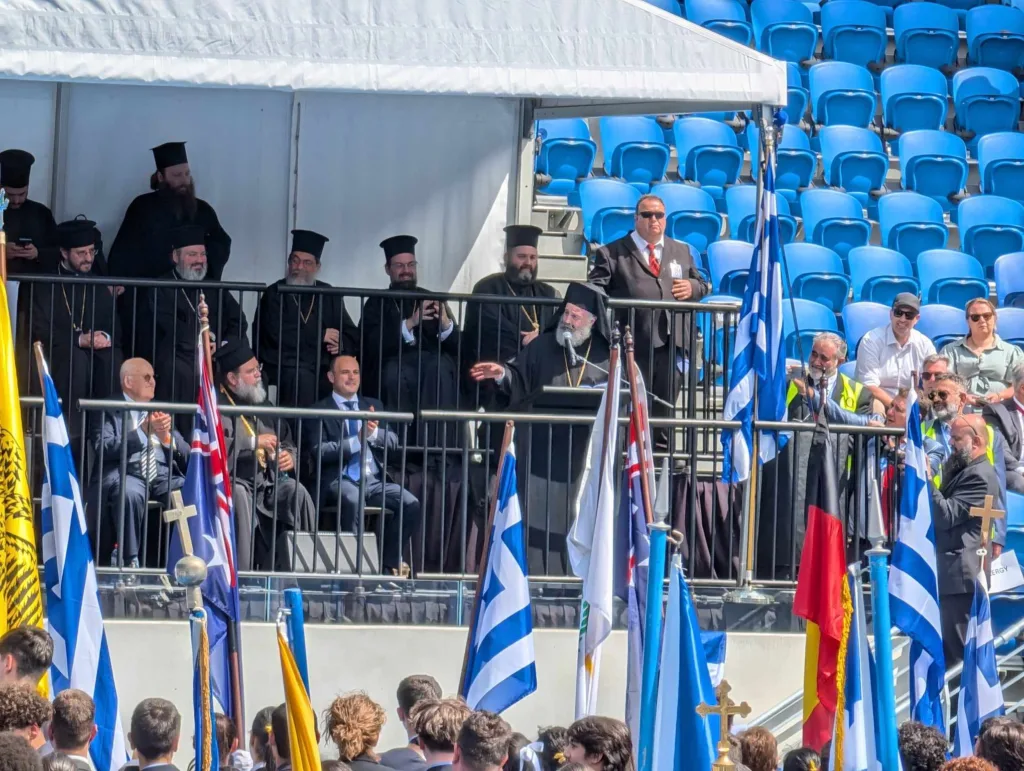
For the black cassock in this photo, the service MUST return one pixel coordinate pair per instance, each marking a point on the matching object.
(60, 314)
(420, 375)
(32, 220)
(288, 330)
(553, 454)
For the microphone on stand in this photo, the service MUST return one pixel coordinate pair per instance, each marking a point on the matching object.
(565, 339)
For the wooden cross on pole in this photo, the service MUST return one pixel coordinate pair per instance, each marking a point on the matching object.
(725, 709)
(180, 514)
(986, 514)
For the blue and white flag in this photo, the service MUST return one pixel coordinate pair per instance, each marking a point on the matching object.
(759, 362)
(858, 720)
(715, 647)
(683, 740)
(913, 580)
(501, 668)
(81, 658)
(981, 694)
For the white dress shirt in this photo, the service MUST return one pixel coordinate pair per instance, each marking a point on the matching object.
(883, 362)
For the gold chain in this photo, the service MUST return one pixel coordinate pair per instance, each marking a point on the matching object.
(305, 316)
(532, 319)
(261, 454)
(81, 320)
(583, 369)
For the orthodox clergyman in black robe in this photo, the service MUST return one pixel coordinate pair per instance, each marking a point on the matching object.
(413, 343)
(572, 351)
(297, 335)
(262, 457)
(30, 227)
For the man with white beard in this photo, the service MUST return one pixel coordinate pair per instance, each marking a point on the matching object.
(168, 322)
(263, 459)
(573, 351)
(298, 335)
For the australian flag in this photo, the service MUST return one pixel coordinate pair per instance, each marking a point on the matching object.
(208, 488)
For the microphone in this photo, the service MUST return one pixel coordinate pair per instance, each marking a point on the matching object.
(565, 338)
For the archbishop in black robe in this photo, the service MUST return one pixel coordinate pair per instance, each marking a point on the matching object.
(553, 454)
(298, 335)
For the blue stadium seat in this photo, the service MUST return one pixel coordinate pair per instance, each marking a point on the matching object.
(990, 226)
(834, 220)
(1011, 324)
(566, 153)
(986, 100)
(817, 273)
(913, 97)
(1001, 164)
(911, 223)
(995, 37)
(942, 323)
(708, 154)
(795, 162)
(729, 266)
(784, 28)
(726, 17)
(720, 328)
(811, 318)
(691, 215)
(853, 158)
(842, 94)
(949, 277)
(1009, 275)
(926, 34)
(798, 97)
(878, 274)
(608, 207)
(933, 163)
(741, 206)
(853, 31)
(634, 150)
(859, 318)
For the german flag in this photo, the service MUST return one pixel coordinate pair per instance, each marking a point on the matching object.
(822, 593)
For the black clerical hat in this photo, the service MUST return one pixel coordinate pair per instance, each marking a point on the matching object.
(590, 297)
(398, 245)
(169, 154)
(522, 235)
(188, 235)
(309, 242)
(15, 166)
(76, 233)
(232, 355)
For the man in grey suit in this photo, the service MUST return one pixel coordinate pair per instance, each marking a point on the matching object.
(157, 457)
(967, 478)
(645, 265)
(73, 727)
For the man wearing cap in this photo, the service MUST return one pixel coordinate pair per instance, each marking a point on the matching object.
(30, 227)
(413, 343)
(268, 498)
(572, 351)
(168, 320)
(888, 356)
(78, 325)
(142, 247)
(297, 335)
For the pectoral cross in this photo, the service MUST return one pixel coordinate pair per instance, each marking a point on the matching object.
(986, 514)
(180, 514)
(725, 709)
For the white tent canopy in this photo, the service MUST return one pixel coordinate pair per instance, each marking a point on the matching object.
(592, 55)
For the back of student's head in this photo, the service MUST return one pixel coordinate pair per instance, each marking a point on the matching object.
(29, 649)
(760, 750)
(414, 689)
(922, 747)
(437, 723)
(227, 735)
(16, 754)
(22, 708)
(803, 759)
(968, 764)
(73, 722)
(1001, 742)
(259, 739)
(279, 726)
(516, 742)
(155, 729)
(553, 740)
(483, 741)
(607, 737)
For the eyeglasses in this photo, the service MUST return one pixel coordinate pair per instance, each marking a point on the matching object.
(940, 394)
(146, 378)
(658, 215)
(905, 313)
(404, 265)
(930, 375)
(976, 317)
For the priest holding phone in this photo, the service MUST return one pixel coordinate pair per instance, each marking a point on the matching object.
(31, 229)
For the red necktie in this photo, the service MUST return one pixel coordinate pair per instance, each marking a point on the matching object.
(652, 261)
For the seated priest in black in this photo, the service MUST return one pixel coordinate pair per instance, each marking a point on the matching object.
(297, 335)
(78, 325)
(572, 351)
(156, 460)
(30, 227)
(414, 343)
(269, 501)
(344, 464)
(168, 321)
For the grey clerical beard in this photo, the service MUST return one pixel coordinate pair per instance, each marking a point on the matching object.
(576, 336)
(956, 463)
(250, 394)
(198, 273)
(525, 276)
(291, 280)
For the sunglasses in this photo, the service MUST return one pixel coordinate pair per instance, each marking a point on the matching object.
(930, 375)
(943, 395)
(658, 215)
(905, 313)
(976, 317)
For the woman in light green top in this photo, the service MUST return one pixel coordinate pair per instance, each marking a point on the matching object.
(983, 359)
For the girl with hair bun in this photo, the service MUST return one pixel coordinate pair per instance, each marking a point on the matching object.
(259, 741)
(354, 722)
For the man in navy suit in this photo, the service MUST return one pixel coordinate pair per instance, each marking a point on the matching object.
(344, 463)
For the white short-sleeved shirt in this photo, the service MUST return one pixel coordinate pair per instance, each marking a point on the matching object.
(883, 362)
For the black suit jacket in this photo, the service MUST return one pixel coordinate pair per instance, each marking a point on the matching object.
(624, 273)
(109, 435)
(1002, 416)
(957, 533)
(366, 763)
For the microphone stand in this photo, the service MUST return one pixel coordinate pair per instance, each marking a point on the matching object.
(574, 359)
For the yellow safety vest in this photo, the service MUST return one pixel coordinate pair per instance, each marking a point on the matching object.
(849, 393)
(930, 432)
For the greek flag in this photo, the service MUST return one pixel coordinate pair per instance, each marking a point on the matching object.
(501, 667)
(758, 363)
(913, 580)
(981, 695)
(81, 658)
(858, 720)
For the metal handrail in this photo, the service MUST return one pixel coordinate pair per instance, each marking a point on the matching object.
(231, 410)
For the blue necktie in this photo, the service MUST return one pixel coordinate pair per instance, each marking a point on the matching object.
(353, 471)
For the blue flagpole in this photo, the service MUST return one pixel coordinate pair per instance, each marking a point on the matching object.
(297, 632)
(882, 625)
(652, 642)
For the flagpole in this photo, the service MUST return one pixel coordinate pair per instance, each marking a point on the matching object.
(482, 567)
(882, 626)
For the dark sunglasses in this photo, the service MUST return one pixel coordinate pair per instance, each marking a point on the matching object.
(658, 215)
(906, 313)
(979, 316)
(940, 394)
(929, 375)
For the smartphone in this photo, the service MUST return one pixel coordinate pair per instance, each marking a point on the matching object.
(24, 242)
